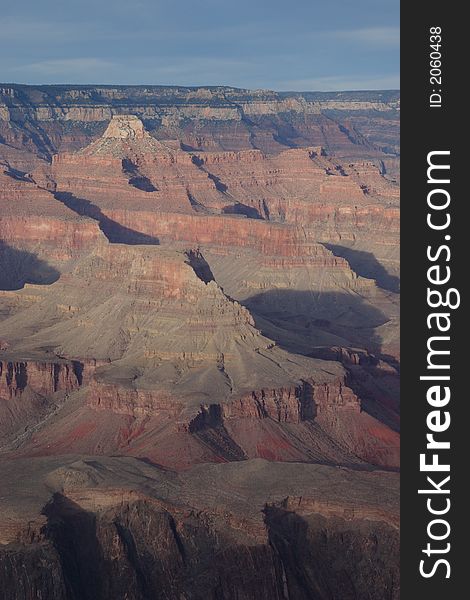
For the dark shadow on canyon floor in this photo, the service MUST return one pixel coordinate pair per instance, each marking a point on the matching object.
(317, 319)
(114, 231)
(366, 265)
(199, 265)
(18, 267)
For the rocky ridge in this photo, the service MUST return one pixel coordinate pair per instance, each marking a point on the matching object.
(199, 310)
(38, 121)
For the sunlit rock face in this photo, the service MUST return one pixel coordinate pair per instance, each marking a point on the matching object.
(208, 333)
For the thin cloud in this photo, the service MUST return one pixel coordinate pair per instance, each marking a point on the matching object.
(146, 70)
(388, 37)
(67, 66)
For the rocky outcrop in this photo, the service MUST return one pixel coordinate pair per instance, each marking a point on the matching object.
(42, 378)
(279, 419)
(32, 571)
(309, 547)
(113, 553)
(204, 280)
(125, 529)
(134, 402)
(262, 423)
(47, 119)
(293, 405)
(266, 422)
(53, 238)
(30, 393)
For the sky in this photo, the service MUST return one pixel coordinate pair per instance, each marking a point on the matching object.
(303, 45)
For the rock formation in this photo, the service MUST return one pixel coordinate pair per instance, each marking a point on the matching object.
(36, 122)
(121, 528)
(201, 315)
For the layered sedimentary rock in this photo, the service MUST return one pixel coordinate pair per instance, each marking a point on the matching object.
(170, 344)
(36, 122)
(38, 236)
(42, 378)
(228, 315)
(124, 181)
(30, 391)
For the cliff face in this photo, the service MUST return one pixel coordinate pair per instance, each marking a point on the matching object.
(38, 236)
(161, 193)
(223, 305)
(31, 391)
(115, 555)
(103, 533)
(45, 119)
(43, 378)
(309, 547)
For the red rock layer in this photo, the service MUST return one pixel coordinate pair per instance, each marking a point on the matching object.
(31, 219)
(269, 239)
(267, 423)
(137, 181)
(166, 334)
(133, 402)
(39, 377)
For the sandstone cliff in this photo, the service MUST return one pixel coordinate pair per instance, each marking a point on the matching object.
(209, 295)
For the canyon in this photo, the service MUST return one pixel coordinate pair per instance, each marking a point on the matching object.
(199, 343)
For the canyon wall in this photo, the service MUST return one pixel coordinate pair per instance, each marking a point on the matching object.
(38, 121)
(199, 343)
(101, 534)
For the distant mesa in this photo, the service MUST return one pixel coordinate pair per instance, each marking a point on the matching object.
(125, 134)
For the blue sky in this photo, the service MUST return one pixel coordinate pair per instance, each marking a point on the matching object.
(280, 45)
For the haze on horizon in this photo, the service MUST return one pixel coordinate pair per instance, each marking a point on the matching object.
(301, 45)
